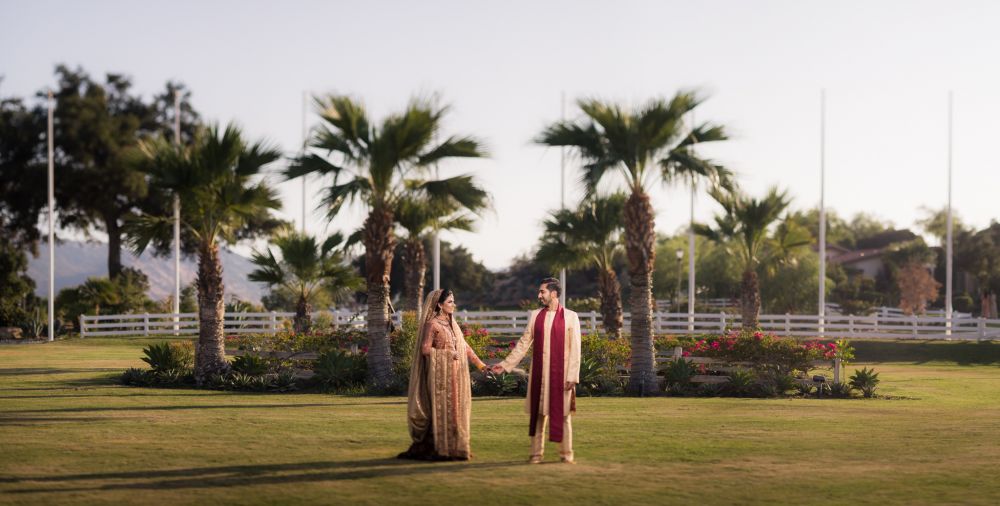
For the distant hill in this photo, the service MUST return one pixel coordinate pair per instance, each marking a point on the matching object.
(76, 261)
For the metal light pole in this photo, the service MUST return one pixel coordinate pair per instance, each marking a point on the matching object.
(305, 98)
(691, 274)
(436, 254)
(680, 257)
(822, 212)
(177, 214)
(562, 191)
(52, 229)
(948, 248)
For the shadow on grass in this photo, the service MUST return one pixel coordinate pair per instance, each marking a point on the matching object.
(922, 352)
(205, 406)
(32, 371)
(31, 421)
(263, 474)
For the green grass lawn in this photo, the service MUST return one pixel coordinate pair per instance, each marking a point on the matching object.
(68, 434)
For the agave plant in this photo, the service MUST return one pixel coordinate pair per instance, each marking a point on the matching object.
(866, 380)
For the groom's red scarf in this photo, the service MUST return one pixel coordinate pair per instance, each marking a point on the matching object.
(557, 373)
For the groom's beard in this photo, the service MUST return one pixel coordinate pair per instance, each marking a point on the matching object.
(542, 303)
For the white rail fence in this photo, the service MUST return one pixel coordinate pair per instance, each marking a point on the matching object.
(512, 323)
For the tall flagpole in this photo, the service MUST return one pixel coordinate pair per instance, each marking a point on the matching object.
(305, 98)
(948, 265)
(177, 212)
(562, 191)
(436, 253)
(822, 211)
(52, 229)
(691, 274)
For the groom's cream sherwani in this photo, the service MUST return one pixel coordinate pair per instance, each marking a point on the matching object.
(571, 366)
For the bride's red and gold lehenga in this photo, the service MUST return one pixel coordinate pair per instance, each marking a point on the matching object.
(440, 391)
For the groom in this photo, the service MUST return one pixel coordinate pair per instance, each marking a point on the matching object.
(555, 371)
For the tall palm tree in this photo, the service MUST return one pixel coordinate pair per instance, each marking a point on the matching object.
(223, 199)
(745, 222)
(418, 216)
(590, 237)
(378, 166)
(306, 268)
(643, 145)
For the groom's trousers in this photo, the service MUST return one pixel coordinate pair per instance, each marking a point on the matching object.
(538, 440)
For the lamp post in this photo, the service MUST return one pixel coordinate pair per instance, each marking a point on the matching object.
(677, 293)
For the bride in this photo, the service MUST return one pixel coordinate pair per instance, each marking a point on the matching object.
(440, 393)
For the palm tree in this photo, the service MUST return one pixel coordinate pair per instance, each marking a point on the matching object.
(745, 222)
(378, 166)
(590, 237)
(417, 216)
(644, 145)
(223, 200)
(306, 268)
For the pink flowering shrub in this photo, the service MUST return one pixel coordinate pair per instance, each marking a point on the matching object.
(762, 350)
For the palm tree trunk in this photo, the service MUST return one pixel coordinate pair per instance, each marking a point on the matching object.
(379, 244)
(609, 292)
(210, 356)
(415, 261)
(640, 238)
(114, 247)
(750, 299)
(303, 321)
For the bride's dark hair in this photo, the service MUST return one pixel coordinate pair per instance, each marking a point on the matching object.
(444, 296)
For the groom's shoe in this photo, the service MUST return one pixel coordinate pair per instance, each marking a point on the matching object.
(535, 459)
(567, 460)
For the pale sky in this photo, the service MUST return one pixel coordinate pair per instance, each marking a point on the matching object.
(887, 67)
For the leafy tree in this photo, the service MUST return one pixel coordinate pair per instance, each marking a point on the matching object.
(916, 288)
(17, 290)
(23, 172)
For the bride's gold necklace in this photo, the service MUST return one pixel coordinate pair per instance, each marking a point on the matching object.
(447, 323)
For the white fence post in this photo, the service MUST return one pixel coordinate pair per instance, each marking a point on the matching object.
(83, 327)
(722, 322)
(788, 324)
(850, 325)
(914, 320)
(145, 324)
(593, 321)
(981, 327)
(274, 322)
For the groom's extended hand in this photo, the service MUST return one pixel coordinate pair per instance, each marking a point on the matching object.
(570, 385)
(496, 369)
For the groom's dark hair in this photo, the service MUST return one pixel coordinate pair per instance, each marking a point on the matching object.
(552, 285)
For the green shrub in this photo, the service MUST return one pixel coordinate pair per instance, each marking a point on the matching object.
(495, 385)
(866, 380)
(172, 356)
(710, 389)
(401, 344)
(677, 374)
(611, 354)
(742, 383)
(804, 389)
(590, 375)
(284, 381)
(251, 364)
(238, 381)
(777, 382)
(135, 377)
(172, 377)
(336, 368)
(841, 390)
